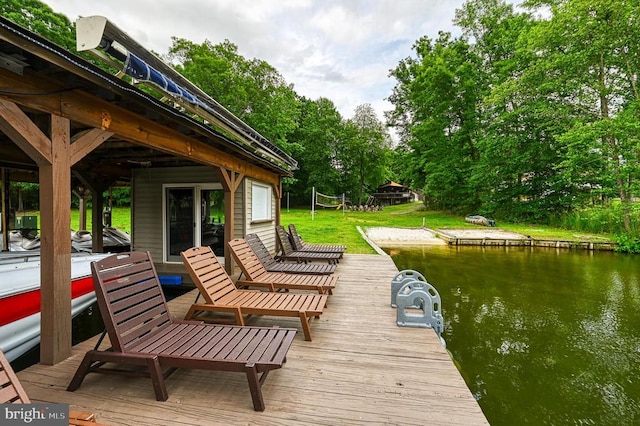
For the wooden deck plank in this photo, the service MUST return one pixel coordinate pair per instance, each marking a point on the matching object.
(360, 368)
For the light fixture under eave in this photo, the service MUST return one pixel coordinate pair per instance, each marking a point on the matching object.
(97, 32)
(12, 63)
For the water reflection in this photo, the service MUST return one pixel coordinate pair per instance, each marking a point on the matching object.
(541, 336)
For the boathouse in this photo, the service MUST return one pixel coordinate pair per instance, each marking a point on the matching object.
(75, 126)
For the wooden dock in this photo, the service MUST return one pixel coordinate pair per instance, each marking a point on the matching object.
(360, 368)
(453, 239)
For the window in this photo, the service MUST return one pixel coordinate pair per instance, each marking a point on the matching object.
(260, 202)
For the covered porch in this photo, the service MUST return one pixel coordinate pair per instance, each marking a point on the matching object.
(73, 126)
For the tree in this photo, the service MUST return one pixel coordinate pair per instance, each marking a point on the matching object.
(318, 134)
(252, 90)
(40, 19)
(436, 105)
(591, 48)
(364, 153)
(515, 172)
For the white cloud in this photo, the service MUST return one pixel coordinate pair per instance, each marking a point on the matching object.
(338, 49)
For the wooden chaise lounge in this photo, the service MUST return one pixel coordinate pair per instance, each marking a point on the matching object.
(12, 392)
(300, 245)
(287, 252)
(256, 274)
(272, 265)
(143, 334)
(222, 296)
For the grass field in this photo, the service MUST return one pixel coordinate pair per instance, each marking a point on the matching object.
(332, 226)
(120, 218)
(336, 227)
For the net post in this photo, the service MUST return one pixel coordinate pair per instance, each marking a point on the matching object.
(313, 201)
(343, 207)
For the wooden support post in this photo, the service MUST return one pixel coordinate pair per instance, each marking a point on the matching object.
(97, 232)
(81, 193)
(230, 182)
(4, 219)
(277, 189)
(82, 210)
(96, 189)
(55, 249)
(52, 155)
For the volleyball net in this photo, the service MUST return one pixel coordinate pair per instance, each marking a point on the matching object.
(319, 199)
(328, 201)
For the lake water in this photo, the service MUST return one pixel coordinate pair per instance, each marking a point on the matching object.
(541, 336)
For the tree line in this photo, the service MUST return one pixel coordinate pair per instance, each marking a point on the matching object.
(526, 115)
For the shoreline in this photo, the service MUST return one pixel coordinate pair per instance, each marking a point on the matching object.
(393, 237)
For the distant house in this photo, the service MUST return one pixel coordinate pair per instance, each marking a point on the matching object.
(392, 193)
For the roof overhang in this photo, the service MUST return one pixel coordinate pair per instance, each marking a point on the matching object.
(104, 39)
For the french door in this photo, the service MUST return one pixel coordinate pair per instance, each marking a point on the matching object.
(193, 216)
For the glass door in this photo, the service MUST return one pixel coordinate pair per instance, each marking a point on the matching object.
(212, 219)
(180, 221)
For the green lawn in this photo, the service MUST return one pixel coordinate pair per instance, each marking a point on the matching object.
(332, 226)
(120, 218)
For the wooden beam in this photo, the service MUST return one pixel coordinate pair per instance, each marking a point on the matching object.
(277, 189)
(96, 188)
(4, 218)
(23, 132)
(55, 249)
(231, 180)
(87, 141)
(91, 111)
(82, 194)
(97, 225)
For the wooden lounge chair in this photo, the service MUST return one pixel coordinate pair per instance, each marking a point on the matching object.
(12, 392)
(300, 245)
(287, 252)
(272, 265)
(257, 275)
(143, 334)
(221, 294)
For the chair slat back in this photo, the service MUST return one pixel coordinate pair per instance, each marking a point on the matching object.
(283, 239)
(296, 240)
(130, 298)
(260, 250)
(245, 257)
(11, 391)
(208, 274)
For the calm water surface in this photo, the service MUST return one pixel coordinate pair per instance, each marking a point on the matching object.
(541, 336)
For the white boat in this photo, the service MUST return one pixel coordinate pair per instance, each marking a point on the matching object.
(20, 297)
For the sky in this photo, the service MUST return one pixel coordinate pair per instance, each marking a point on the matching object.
(342, 50)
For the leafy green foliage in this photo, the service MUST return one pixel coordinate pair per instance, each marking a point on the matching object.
(436, 100)
(527, 116)
(252, 90)
(627, 244)
(40, 19)
(599, 218)
(363, 154)
(319, 133)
